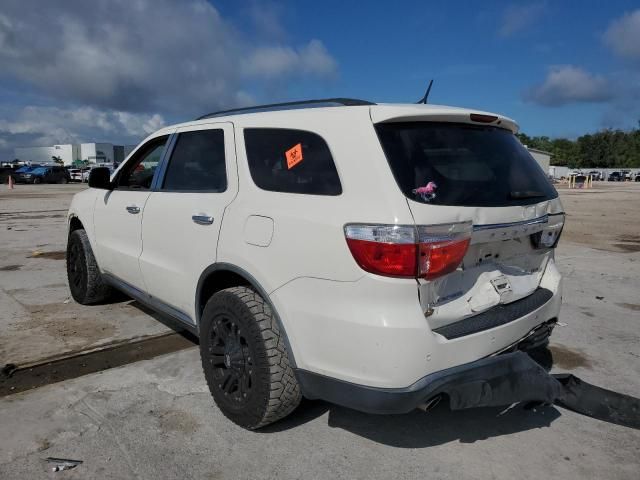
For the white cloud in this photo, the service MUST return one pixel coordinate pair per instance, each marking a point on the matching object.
(51, 125)
(519, 17)
(567, 84)
(623, 35)
(111, 65)
(147, 55)
(272, 62)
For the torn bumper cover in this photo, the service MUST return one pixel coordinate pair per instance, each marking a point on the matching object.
(494, 381)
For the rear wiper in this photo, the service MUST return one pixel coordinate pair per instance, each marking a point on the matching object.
(519, 195)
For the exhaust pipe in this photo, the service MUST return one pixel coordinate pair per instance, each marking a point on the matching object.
(430, 404)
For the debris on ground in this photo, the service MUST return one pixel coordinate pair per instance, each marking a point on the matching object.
(60, 464)
(596, 402)
(9, 369)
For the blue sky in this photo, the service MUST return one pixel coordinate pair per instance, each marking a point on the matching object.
(116, 70)
(481, 54)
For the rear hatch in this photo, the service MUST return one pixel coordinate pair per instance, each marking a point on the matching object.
(478, 176)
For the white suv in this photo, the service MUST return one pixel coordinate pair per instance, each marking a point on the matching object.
(380, 257)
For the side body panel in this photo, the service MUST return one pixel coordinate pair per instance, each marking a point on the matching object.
(286, 238)
(118, 232)
(176, 249)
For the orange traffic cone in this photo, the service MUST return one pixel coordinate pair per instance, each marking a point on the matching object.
(10, 182)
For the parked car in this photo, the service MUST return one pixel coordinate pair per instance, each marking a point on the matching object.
(637, 177)
(596, 175)
(616, 177)
(75, 175)
(380, 257)
(627, 175)
(19, 173)
(46, 175)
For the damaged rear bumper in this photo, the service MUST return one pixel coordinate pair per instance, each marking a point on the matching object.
(493, 381)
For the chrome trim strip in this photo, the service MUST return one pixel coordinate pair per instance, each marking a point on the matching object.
(493, 226)
(155, 304)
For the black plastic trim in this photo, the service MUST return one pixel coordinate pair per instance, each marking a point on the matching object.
(161, 169)
(496, 316)
(494, 381)
(221, 266)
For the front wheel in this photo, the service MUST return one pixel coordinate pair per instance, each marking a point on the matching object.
(245, 359)
(36, 180)
(83, 274)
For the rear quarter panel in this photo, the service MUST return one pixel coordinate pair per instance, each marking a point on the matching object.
(307, 238)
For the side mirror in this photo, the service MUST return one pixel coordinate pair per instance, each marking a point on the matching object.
(99, 177)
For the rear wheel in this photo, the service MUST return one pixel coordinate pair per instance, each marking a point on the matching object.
(245, 360)
(83, 274)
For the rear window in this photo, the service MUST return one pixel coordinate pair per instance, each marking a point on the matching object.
(291, 161)
(462, 165)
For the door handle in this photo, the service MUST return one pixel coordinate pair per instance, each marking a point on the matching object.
(202, 219)
(133, 209)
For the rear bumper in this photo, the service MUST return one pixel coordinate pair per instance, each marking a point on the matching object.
(373, 331)
(493, 381)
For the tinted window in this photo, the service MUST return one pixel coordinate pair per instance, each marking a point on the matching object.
(197, 162)
(138, 173)
(469, 165)
(293, 161)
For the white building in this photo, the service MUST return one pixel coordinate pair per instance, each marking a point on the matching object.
(559, 171)
(128, 149)
(67, 152)
(96, 152)
(543, 158)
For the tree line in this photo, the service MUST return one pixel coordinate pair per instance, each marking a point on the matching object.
(604, 149)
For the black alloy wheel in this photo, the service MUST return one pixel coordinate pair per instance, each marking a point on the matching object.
(245, 359)
(230, 357)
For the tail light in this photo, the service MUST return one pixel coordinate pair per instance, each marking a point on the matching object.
(407, 251)
(548, 237)
(442, 248)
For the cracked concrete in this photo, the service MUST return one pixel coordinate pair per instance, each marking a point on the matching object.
(39, 320)
(155, 419)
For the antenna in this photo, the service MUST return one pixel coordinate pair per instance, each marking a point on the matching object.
(423, 100)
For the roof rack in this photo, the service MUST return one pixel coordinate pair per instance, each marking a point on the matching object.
(327, 102)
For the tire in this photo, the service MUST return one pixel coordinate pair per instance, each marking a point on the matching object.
(245, 359)
(36, 180)
(83, 274)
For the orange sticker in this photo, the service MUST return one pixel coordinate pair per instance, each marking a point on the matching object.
(294, 156)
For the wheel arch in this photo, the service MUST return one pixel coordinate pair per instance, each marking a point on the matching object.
(219, 276)
(75, 223)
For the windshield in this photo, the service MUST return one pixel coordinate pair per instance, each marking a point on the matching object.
(38, 170)
(462, 165)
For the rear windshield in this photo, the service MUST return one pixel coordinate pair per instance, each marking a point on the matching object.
(462, 165)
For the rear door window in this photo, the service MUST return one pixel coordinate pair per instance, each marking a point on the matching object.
(197, 163)
(462, 165)
(291, 161)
